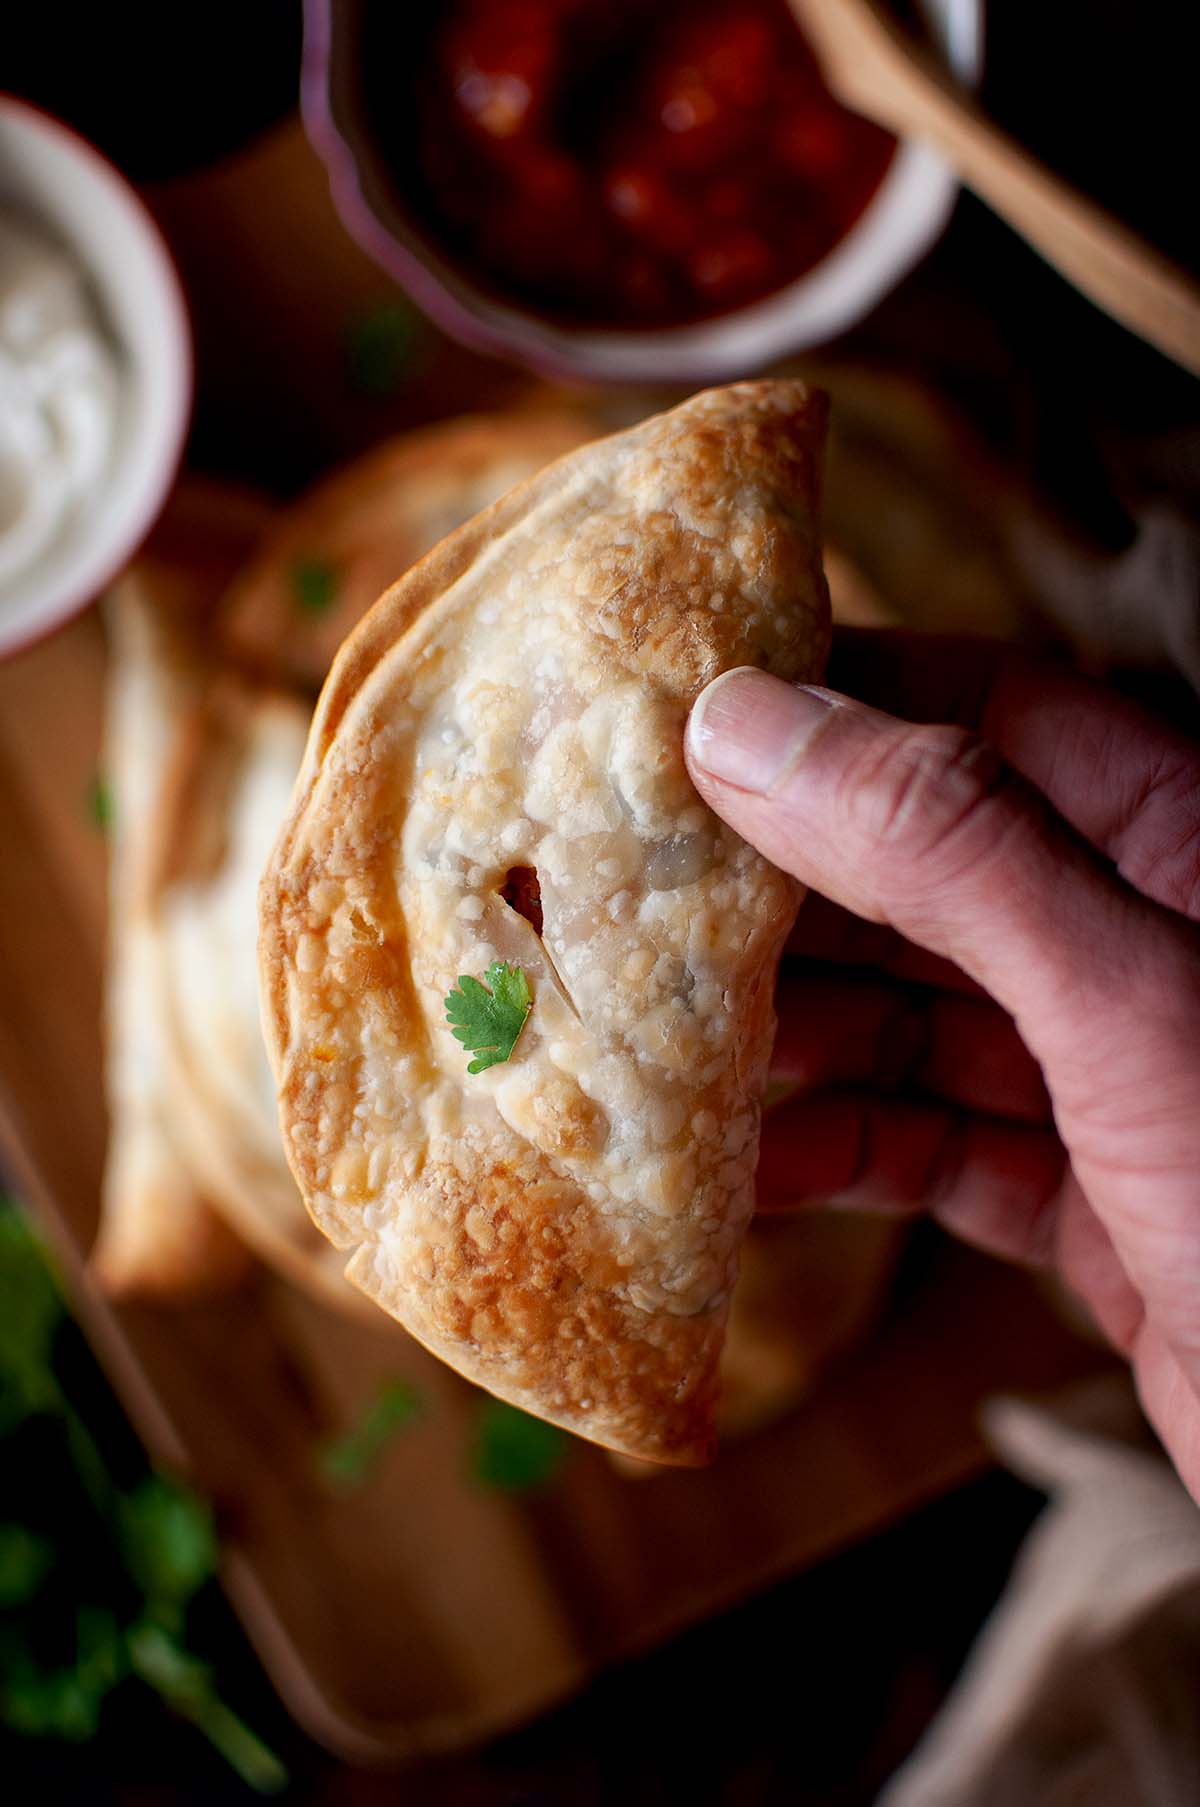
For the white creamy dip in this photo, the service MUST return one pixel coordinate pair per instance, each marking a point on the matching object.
(59, 395)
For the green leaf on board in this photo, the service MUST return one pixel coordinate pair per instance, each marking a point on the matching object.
(31, 1310)
(314, 585)
(99, 803)
(164, 1533)
(169, 1541)
(349, 1460)
(25, 1561)
(382, 344)
(515, 1453)
(186, 1685)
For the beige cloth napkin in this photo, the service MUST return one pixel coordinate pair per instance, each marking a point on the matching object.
(1083, 1690)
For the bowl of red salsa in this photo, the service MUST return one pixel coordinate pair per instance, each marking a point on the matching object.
(614, 189)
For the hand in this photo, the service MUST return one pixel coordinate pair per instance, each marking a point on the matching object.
(1001, 1023)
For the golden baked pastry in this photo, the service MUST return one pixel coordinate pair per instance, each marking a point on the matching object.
(230, 793)
(197, 762)
(158, 1236)
(339, 547)
(202, 767)
(495, 775)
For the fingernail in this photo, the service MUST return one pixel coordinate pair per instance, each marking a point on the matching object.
(749, 729)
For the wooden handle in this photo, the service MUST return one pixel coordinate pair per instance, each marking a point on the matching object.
(876, 69)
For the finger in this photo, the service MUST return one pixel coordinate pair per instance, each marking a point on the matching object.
(1129, 783)
(1091, 1267)
(993, 1183)
(857, 1030)
(1170, 1401)
(927, 829)
(824, 931)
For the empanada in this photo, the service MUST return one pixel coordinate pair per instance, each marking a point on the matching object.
(495, 774)
(159, 1235)
(198, 765)
(340, 546)
(202, 766)
(230, 797)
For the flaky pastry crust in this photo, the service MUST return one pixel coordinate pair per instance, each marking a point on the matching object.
(562, 1228)
(230, 792)
(355, 531)
(159, 1236)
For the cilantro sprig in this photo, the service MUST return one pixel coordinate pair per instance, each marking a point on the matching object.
(99, 803)
(160, 1534)
(349, 1460)
(488, 1016)
(515, 1453)
(314, 585)
(383, 345)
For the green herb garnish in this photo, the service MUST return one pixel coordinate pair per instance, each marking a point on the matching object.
(381, 347)
(349, 1460)
(99, 803)
(314, 585)
(160, 1534)
(25, 1561)
(186, 1685)
(170, 1539)
(515, 1453)
(31, 1310)
(488, 1017)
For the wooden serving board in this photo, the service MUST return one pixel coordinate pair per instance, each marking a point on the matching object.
(422, 1611)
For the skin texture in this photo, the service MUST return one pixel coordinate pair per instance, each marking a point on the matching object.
(1006, 969)
(564, 1227)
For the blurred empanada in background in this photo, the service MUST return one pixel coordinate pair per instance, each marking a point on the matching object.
(201, 805)
(495, 774)
(159, 1234)
(341, 545)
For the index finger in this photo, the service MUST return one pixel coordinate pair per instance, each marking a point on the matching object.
(1125, 780)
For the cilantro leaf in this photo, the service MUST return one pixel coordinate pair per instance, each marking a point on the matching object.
(99, 803)
(314, 585)
(163, 1533)
(101, 1653)
(349, 1460)
(31, 1310)
(51, 1704)
(383, 345)
(515, 1453)
(168, 1539)
(25, 1561)
(488, 1018)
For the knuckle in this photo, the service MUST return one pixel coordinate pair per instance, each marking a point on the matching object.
(1159, 849)
(934, 797)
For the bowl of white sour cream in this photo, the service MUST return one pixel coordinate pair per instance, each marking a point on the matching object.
(95, 373)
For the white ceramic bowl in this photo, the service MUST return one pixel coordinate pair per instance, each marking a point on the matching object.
(59, 182)
(906, 215)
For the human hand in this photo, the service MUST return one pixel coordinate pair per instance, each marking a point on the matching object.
(997, 1018)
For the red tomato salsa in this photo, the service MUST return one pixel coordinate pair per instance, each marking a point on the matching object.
(631, 162)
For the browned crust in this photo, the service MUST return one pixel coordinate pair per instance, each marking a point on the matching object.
(369, 522)
(505, 1268)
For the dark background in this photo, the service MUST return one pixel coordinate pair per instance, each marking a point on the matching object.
(815, 1692)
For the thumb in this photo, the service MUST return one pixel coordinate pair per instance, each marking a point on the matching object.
(929, 830)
